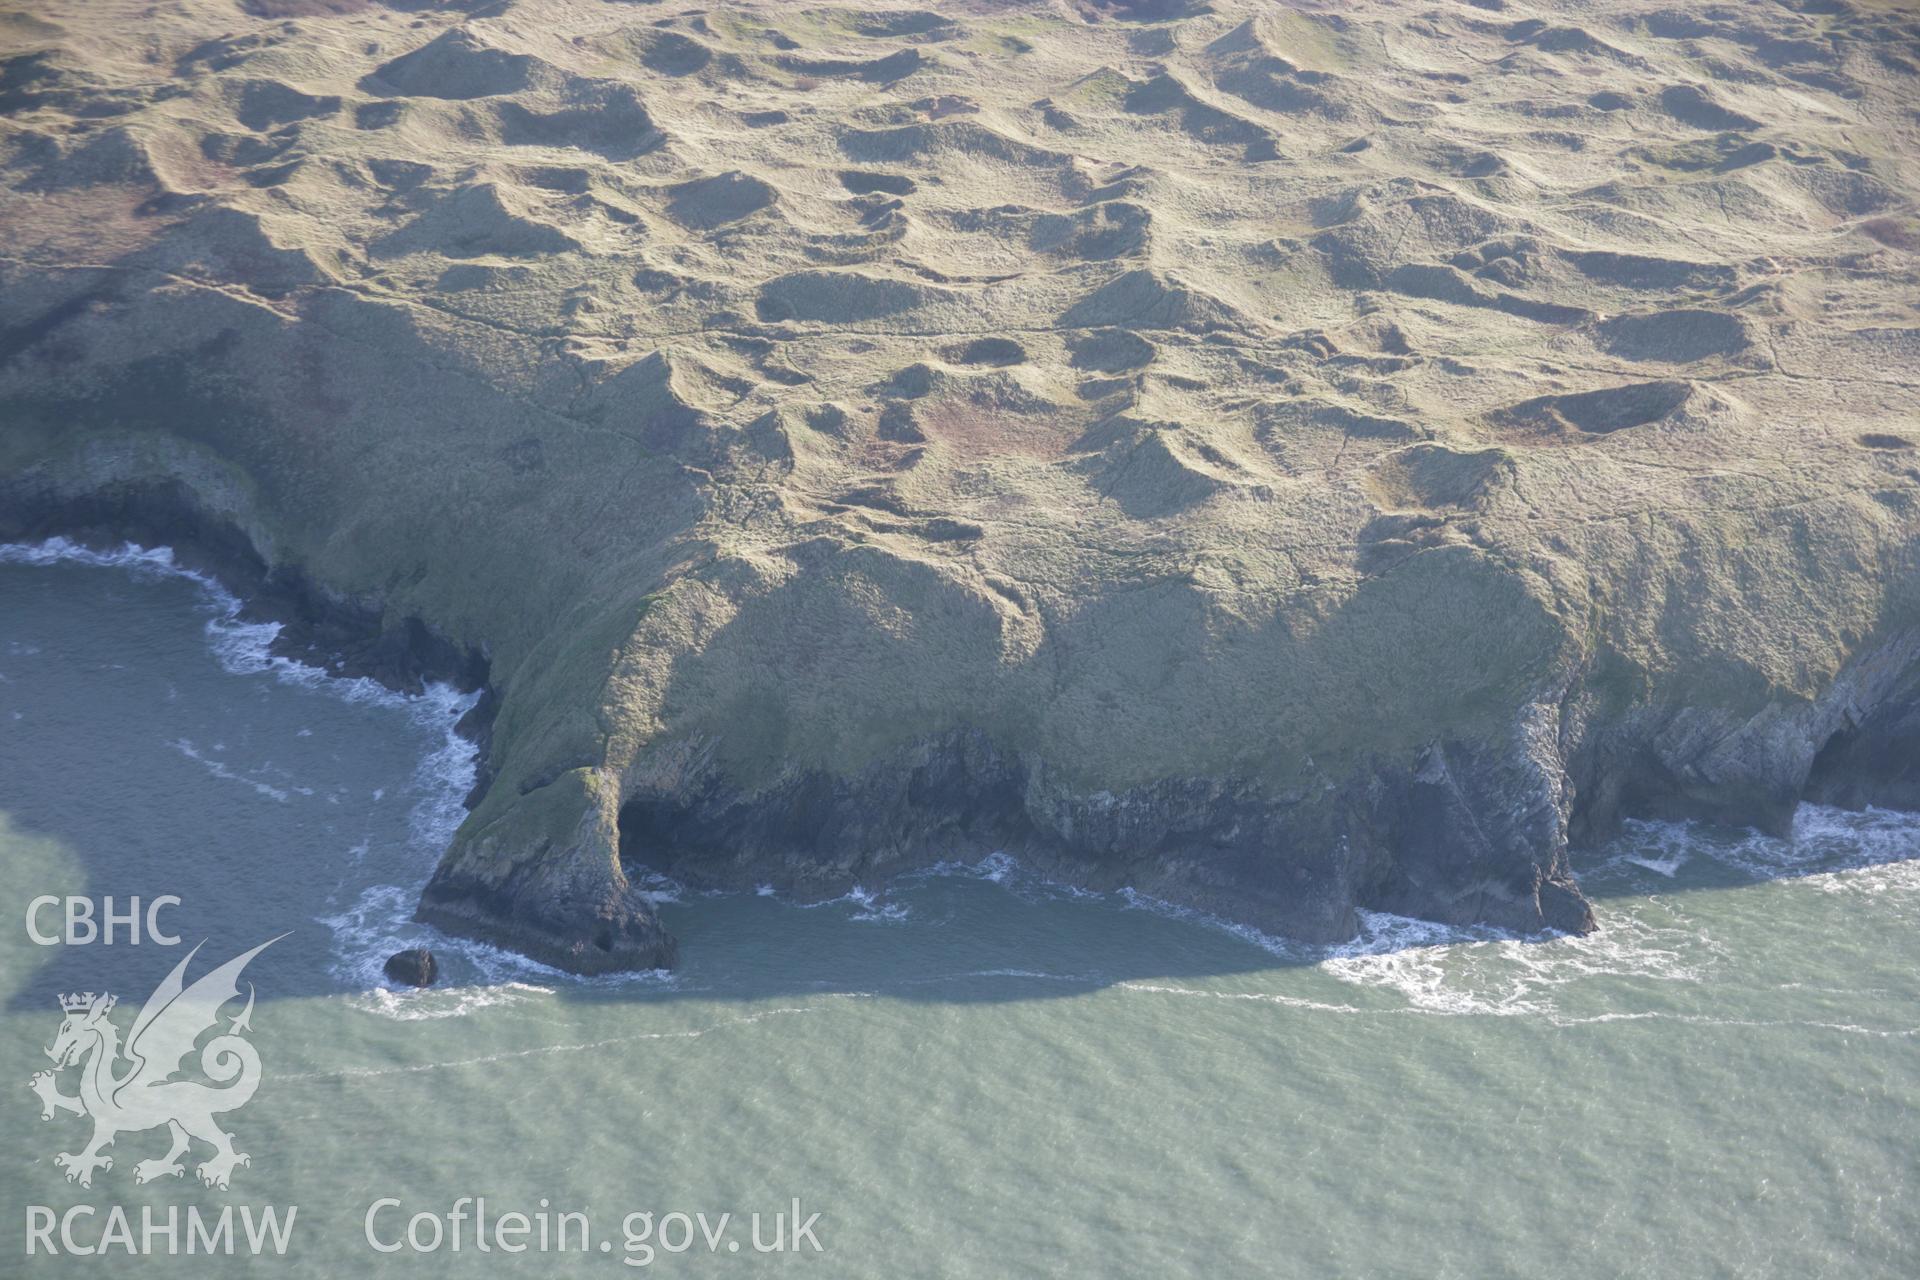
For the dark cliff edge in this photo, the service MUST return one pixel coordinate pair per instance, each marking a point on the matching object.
(1467, 832)
(1420, 840)
(342, 637)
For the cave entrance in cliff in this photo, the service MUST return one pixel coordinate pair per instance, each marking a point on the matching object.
(647, 829)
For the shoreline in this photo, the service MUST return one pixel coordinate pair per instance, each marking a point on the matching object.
(675, 835)
(346, 638)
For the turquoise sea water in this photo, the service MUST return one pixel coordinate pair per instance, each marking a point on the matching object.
(972, 1074)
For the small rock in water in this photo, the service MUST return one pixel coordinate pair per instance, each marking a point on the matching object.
(414, 967)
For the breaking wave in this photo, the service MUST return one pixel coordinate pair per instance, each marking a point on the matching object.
(379, 919)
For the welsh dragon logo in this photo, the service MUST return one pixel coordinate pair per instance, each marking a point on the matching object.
(131, 1088)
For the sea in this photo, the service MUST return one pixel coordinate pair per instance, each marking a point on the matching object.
(971, 1073)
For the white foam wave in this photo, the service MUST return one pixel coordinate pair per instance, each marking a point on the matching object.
(65, 551)
(874, 908)
(220, 770)
(1824, 842)
(1441, 969)
(1261, 997)
(442, 1002)
(1446, 969)
(1872, 852)
(379, 920)
(1438, 969)
(1273, 944)
(870, 906)
(997, 868)
(1009, 873)
(657, 888)
(1479, 971)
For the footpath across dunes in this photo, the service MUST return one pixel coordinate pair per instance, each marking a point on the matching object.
(1288, 458)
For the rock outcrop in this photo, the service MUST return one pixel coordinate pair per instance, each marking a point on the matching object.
(414, 967)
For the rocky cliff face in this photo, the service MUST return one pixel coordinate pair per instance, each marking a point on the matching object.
(1288, 461)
